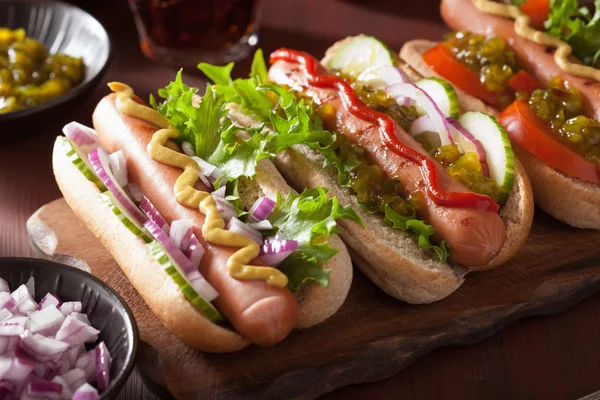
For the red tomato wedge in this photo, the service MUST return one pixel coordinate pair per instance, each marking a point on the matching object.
(523, 82)
(441, 60)
(537, 10)
(532, 133)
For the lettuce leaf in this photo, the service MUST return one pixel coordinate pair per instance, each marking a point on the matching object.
(309, 217)
(417, 227)
(578, 27)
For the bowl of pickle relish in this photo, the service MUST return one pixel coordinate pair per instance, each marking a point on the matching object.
(51, 53)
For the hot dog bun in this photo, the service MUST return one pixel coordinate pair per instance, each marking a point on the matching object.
(565, 197)
(315, 303)
(393, 259)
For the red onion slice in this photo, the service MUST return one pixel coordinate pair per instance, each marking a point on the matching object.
(66, 393)
(85, 392)
(181, 232)
(101, 164)
(237, 226)
(378, 77)
(273, 252)
(118, 167)
(69, 307)
(84, 137)
(103, 361)
(422, 99)
(74, 332)
(46, 321)
(225, 208)
(42, 348)
(189, 272)
(468, 142)
(195, 251)
(261, 209)
(153, 214)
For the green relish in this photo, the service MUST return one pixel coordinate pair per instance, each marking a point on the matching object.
(561, 106)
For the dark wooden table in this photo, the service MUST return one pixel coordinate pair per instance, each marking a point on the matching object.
(554, 357)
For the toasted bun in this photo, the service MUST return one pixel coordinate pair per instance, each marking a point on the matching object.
(553, 190)
(159, 291)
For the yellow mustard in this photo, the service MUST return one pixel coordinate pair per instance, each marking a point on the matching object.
(213, 229)
(523, 29)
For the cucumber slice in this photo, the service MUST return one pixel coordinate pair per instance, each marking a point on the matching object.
(443, 94)
(174, 272)
(496, 143)
(80, 160)
(125, 218)
(360, 53)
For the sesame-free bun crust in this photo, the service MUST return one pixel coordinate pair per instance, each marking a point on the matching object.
(159, 291)
(567, 198)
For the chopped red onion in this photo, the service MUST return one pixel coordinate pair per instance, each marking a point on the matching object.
(69, 307)
(4, 286)
(87, 362)
(66, 393)
(273, 252)
(205, 182)
(13, 326)
(103, 361)
(188, 149)
(74, 332)
(225, 208)
(191, 273)
(263, 225)
(85, 392)
(81, 317)
(135, 191)
(9, 343)
(211, 172)
(84, 137)
(46, 321)
(5, 314)
(74, 378)
(42, 348)
(402, 91)
(118, 167)
(7, 302)
(237, 226)
(24, 300)
(19, 366)
(195, 251)
(220, 192)
(7, 390)
(49, 300)
(180, 232)
(261, 209)
(153, 214)
(44, 389)
(30, 284)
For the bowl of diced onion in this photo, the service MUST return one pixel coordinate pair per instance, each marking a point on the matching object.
(64, 334)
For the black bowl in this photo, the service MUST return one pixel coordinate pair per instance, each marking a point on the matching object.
(105, 308)
(62, 28)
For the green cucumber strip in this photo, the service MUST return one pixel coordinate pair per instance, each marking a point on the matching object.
(79, 160)
(443, 94)
(496, 144)
(124, 217)
(360, 53)
(172, 269)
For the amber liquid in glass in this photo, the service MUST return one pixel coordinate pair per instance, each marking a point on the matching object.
(185, 32)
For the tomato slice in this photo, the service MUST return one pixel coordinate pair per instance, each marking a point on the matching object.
(523, 82)
(441, 60)
(533, 134)
(538, 11)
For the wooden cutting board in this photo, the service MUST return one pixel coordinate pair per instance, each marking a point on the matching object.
(372, 337)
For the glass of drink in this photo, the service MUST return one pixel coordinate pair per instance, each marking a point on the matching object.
(185, 32)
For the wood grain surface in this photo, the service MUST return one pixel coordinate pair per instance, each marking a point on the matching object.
(555, 357)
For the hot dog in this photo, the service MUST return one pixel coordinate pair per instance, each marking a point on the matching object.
(253, 297)
(549, 104)
(398, 258)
